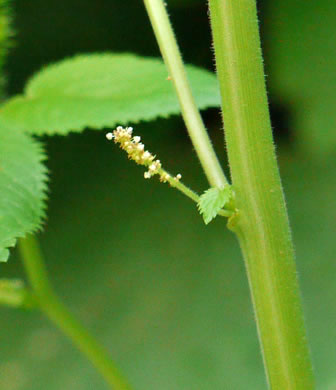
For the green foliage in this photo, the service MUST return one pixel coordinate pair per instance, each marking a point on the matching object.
(302, 68)
(154, 274)
(212, 201)
(154, 290)
(102, 90)
(22, 187)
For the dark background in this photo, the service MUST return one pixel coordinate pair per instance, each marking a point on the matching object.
(132, 258)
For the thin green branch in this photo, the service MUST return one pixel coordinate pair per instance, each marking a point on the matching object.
(262, 224)
(185, 190)
(170, 52)
(50, 304)
(136, 151)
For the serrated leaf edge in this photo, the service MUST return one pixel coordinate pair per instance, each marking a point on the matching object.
(11, 243)
(201, 205)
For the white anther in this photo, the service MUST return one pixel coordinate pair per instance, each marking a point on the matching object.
(109, 136)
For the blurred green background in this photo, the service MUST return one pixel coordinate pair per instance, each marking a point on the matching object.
(132, 258)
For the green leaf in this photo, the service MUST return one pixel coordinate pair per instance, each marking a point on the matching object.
(22, 187)
(102, 90)
(302, 69)
(212, 201)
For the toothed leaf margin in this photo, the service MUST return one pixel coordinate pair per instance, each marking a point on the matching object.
(212, 201)
(23, 186)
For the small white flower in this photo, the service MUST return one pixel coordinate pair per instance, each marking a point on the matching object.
(140, 147)
(136, 139)
(109, 136)
(165, 177)
(147, 175)
(146, 155)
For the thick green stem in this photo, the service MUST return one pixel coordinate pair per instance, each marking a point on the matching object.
(192, 118)
(50, 304)
(262, 225)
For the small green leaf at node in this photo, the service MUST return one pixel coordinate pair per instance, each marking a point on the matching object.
(212, 201)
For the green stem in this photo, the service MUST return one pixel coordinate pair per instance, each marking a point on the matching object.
(50, 304)
(182, 187)
(191, 194)
(170, 52)
(262, 225)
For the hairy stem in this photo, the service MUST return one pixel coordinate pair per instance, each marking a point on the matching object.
(262, 226)
(170, 52)
(51, 305)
